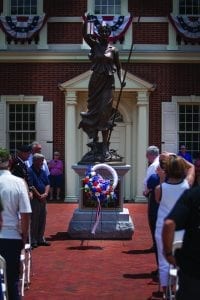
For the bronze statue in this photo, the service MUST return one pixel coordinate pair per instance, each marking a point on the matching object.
(105, 62)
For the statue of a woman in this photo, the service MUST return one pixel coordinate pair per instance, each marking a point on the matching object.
(105, 62)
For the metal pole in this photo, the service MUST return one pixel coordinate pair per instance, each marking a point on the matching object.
(121, 88)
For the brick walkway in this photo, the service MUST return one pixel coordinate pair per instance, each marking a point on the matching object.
(92, 269)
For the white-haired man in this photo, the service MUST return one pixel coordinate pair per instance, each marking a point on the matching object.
(150, 182)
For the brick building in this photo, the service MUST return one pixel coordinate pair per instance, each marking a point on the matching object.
(44, 80)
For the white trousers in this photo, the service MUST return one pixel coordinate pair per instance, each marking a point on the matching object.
(163, 265)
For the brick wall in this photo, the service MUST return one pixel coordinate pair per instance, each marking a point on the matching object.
(43, 79)
(61, 33)
(65, 8)
(143, 33)
(153, 8)
(150, 33)
(170, 80)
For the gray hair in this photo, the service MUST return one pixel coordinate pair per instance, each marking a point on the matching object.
(153, 150)
(34, 143)
(37, 156)
(56, 153)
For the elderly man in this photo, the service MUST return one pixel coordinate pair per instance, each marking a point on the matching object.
(150, 182)
(36, 147)
(40, 187)
(15, 225)
(152, 155)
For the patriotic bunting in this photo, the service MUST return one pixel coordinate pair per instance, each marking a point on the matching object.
(22, 28)
(119, 25)
(187, 27)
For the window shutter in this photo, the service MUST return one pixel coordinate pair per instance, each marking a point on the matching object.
(3, 125)
(45, 128)
(169, 127)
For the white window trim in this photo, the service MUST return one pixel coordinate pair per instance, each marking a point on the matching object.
(124, 6)
(175, 7)
(42, 107)
(169, 137)
(7, 3)
(42, 44)
(21, 98)
(6, 99)
(186, 99)
(192, 99)
(124, 12)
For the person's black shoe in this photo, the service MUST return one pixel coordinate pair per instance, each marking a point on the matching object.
(34, 245)
(154, 273)
(152, 249)
(44, 243)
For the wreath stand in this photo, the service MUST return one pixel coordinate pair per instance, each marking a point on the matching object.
(114, 221)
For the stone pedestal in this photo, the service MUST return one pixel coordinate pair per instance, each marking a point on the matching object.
(115, 221)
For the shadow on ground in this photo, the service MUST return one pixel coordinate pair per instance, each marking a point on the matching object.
(140, 251)
(59, 236)
(85, 248)
(137, 276)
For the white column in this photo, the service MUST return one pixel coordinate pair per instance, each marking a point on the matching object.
(128, 178)
(3, 43)
(43, 38)
(142, 141)
(172, 44)
(70, 146)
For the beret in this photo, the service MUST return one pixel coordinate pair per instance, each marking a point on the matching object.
(24, 148)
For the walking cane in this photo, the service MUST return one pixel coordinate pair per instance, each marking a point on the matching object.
(121, 88)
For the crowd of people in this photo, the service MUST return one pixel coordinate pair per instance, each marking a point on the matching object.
(26, 181)
(172, 188)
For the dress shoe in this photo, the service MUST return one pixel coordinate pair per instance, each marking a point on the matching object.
(44, 243)
(34, 245)
(154, 273)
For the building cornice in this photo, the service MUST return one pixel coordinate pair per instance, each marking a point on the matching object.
(81, 56)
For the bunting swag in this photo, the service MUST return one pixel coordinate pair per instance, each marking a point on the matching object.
(119, 25)
(22, 28)
(187, 27)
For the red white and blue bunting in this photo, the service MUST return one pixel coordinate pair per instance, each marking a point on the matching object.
(187, 27)
(119, 25)
(22, 28)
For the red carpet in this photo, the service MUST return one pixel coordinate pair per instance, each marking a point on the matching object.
(92, 269)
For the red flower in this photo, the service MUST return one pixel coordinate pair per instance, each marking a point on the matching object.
(86, 180)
